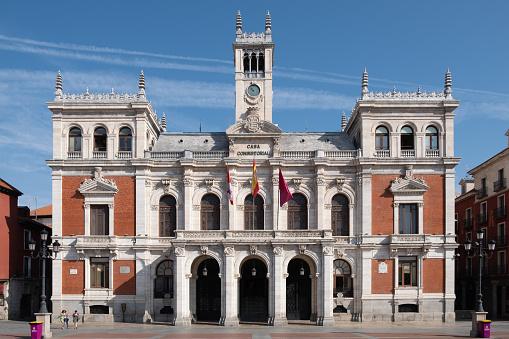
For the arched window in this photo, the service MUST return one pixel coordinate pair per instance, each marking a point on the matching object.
(253, 213)
(164, 279)
(342, 278)
(407, 138)
(75, 140)
(254, 62)
(167, 216)
(431, 138)
(261, 63)
(100, 140)
(298, 212)
(125, 140)
(210, 212)
(246, 63)
(340, 225)
(382, 138)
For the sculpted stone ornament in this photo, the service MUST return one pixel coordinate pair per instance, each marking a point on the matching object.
(180, 251)
(302, 249)
(98, 184)
(278, 250)
(253, 249)
(252, 123)
(204, 249)
(229, 251)
(328, 250)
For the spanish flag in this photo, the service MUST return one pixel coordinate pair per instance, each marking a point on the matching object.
(255, 187)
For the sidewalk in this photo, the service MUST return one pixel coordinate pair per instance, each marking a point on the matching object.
(413, 330)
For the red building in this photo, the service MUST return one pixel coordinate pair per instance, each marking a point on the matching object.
(20, 282)
(481, 205)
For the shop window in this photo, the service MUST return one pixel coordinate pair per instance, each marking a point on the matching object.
(210, 212)
(164, 279)
(99, 309)
(253, 212)
(298, 212)
(408, 308)
(167, 216)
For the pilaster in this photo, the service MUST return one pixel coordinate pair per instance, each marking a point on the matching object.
(230, 291)
(181, 289)
(279, 289)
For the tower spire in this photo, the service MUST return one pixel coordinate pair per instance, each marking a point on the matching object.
(58, 86)
(163, 122)
(239, 24)
(364, 83)
(343, 122)
(268, 25)
(141, 85)
(448, 84)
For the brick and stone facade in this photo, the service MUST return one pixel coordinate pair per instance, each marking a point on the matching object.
(149, 233)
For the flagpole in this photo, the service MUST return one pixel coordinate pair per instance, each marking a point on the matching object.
(254, 164)
(278, 201)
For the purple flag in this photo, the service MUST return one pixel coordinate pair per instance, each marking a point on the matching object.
(284, 192)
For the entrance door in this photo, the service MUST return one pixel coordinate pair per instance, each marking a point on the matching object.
(26, 306)
(208, 291)
(298, 291)
(254, 291)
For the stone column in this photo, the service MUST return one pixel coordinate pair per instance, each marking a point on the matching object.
(181, 289)
(327, 287)
(320, 194)
(230, 289)
(275, 198)
(279, 288)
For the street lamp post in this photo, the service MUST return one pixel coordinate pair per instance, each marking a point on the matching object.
(480, 251)
(44, 253)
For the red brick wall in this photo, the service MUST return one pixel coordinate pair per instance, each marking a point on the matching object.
(124, 284)
(383, 210)
(382, 283)
(73, 217)
(73, 283)
(433, 276)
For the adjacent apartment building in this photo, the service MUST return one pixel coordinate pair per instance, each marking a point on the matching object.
(165, 226)
(482, 205)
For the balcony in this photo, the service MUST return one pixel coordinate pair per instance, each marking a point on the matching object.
(408, 153)
(74, 155)
(499, 270)
(345, 292)
(499, 212)
(468, 223)
(482, 218)
(499, 185)
(482, 192)
(124, 155)
(382, 153)
(432, 153)
(99, 155)
(500, 241)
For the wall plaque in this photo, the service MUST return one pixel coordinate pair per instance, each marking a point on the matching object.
(125, 269)
(382, 267)
(73, 271)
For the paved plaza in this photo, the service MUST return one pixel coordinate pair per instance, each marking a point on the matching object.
(414, 330)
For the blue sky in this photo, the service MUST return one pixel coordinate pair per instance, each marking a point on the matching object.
(185, 51)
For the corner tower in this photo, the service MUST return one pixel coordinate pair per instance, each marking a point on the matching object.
(253, 55)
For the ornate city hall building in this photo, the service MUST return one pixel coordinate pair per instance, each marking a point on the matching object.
(149, 231)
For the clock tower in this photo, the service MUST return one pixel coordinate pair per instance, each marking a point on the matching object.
(253, 72)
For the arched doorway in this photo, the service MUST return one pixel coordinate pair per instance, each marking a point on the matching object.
(208, 291)
(298, 291)
(254, 291)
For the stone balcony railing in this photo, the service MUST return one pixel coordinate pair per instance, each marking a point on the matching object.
(261, 234)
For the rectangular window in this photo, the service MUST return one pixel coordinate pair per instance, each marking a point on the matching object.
(99, 220)
(28, 236)
(408, 219)
(99, 272)
(483, 216)
(407, 271)
(27, 267)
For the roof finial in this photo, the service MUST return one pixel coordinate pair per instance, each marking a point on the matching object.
(268, 25)
(112, 91)
(343, 122)
(448, 84)
(58, 86)
(364, 84)
(163, 122)
(141, 85)
(239, 24)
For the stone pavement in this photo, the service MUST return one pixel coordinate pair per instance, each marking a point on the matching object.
(301, 330)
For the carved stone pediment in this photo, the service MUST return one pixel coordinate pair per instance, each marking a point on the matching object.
(253, 125)
(98, 185)
(410, 185)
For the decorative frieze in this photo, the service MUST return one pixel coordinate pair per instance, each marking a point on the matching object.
(229, 251)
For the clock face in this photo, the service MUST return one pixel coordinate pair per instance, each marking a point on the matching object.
(253, 90)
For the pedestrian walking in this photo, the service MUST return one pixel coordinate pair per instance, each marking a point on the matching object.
(62, 318)
(75, 319)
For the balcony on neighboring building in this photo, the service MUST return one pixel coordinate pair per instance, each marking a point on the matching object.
(499, 212)
(499, 185)
(468, 223)
(482, 192)
(499, 269)
(500, 241)
(482, 218)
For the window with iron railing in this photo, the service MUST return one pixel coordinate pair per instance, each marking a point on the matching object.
(498, 269)
(499, 212)
(468, 223)
(500, 241)
(482, 192)
(499, 185)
